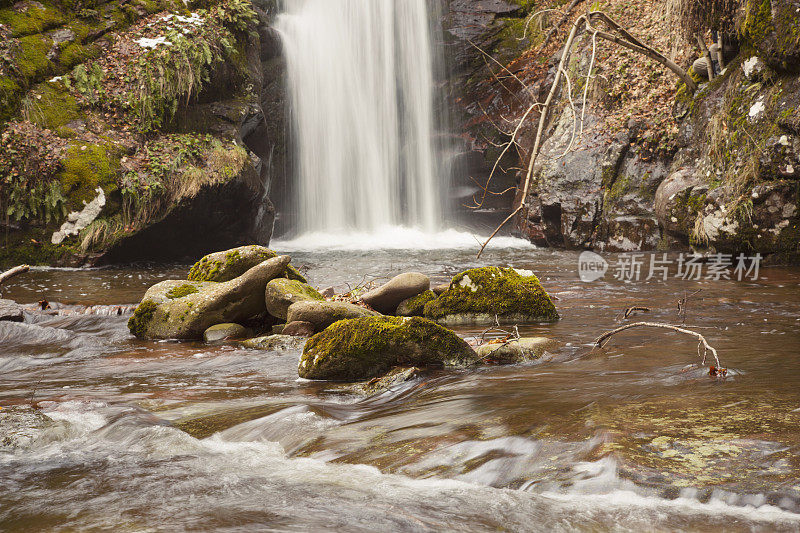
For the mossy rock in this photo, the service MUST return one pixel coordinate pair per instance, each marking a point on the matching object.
(282, 292)
(481, 294)
(10, 98)
(228, 264)
(32, 59)
(35, 19)
(85, 168)
(364, 348)
(415, 306)
(166, 314)
(772, 28)
(51, 107)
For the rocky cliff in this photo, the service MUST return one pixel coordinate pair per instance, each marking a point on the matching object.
(134, 129)
(644, 163)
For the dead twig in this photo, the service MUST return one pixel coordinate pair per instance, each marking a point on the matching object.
(629, 311)
(8, 274)
(702, 344)
(682, 305)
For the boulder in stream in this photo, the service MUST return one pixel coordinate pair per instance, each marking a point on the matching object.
(515, 351)
(229, 264)
(274, 342)
(323, 314)
(184, 310)
(10, 311)
(298, 328)
(388, 296)
(282, 293)
(481, 294)
(364, 348)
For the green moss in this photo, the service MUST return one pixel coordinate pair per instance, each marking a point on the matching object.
(85, 168)
(757, 23)
(415, 306)
(364, 348)
(181, 291)
(141, 318)
(51, 108)
(493, 291)
(34, 19)
(75, 53)
(224, 266)
(33, 247)
(32, 59)
(10, 97)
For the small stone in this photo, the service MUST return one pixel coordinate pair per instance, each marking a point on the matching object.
(516, 351)
(439, 289)
(282, 292)
(299, 328)
(274, 343)
(323, 314)
(387, 297)
(224, 332)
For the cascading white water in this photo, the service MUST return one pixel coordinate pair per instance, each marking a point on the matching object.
(361, 90)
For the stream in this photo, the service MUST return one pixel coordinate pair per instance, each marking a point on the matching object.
(166, 436)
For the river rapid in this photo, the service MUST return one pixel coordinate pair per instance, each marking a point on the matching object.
(165, 436)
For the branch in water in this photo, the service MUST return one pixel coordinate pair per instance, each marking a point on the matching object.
(598, 342)
(20, 269)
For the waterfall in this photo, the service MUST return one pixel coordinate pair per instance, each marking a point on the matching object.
(361, 90)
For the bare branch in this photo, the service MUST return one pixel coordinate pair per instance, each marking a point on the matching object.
(561, 21)
(598, 342)
(8, 274)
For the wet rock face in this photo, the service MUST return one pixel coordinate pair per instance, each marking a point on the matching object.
(592, 191)
(365, 348)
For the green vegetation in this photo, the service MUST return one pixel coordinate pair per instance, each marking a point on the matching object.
(34, 19)
(180, 291)
(49, 107)
(141, 318)
(32, 60)
(85, 168)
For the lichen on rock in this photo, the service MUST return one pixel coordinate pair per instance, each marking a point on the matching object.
(481, 294)
(364, 348)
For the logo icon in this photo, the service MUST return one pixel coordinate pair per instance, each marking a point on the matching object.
(591, 266)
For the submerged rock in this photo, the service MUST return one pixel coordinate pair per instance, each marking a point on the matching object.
(393, 377)
(230, 264)
(184, 310)
(224, 332)
(274, 342)
(480, 294)
(10, 311)
(415, 306)
(323, 314)
(515, 351)
(21, 425)
(387, 297)
(282, 293)
(364, 348)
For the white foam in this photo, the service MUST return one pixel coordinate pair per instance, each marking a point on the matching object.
(395, 238)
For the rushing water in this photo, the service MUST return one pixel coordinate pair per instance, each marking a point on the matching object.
(146, 436)
(361, 89)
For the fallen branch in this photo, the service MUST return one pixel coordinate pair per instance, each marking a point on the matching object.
(20, 269)
(598, 342)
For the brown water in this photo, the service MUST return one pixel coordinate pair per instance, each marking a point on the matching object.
(147, 436)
